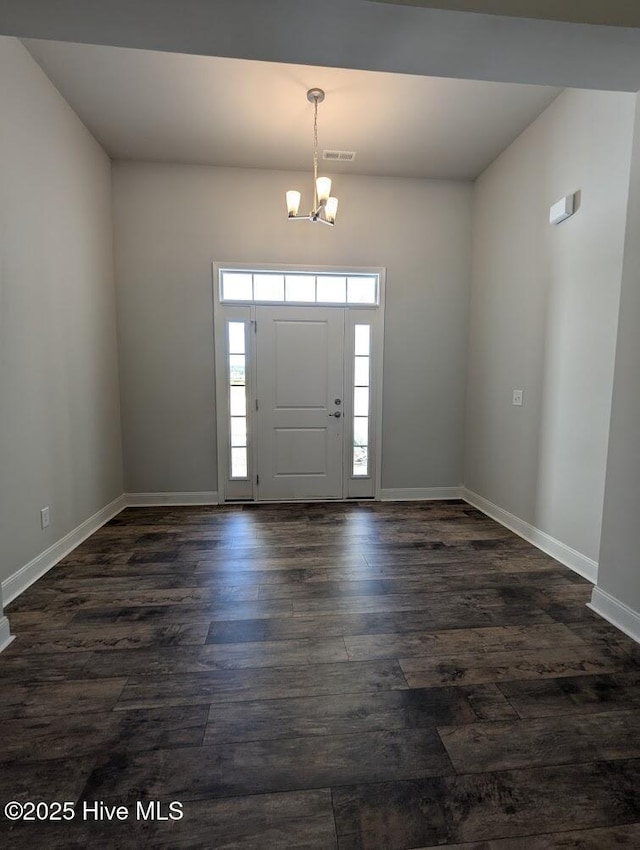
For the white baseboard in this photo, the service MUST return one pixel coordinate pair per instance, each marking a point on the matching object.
(571, 558)
(616, 613)
(152, 500)
(35, 569)
(5, 633)
(420, 494)
(13, 586)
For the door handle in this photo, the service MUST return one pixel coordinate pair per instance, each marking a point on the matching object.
(337, 414)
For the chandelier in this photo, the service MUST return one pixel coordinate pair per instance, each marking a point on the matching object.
(325, 206)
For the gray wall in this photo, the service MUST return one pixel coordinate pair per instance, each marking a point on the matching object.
(619, 573)
(60, 439)
(544, 310)
(172, 221)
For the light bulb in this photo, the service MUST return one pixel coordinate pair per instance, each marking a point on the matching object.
(293, 202)
(330, 209)
(323, 189)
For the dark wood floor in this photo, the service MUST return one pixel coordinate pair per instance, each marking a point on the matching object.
(320, 676)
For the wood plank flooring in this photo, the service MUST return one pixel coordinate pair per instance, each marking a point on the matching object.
(328, 677)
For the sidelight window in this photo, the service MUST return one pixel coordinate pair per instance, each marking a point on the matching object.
(237, 362)
(361, 400)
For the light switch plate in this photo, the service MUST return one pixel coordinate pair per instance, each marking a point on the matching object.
(518, 398)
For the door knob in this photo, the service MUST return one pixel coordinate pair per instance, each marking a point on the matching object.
(337, 414)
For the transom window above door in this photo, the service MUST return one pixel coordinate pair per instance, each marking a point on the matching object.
(290, 287)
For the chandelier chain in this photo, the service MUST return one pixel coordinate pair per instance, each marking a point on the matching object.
(315, 150)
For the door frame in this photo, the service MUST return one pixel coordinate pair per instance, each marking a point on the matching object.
(245, 311)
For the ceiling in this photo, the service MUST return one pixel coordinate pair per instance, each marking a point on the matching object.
(156, 106)
(359, 34)
(616, 13)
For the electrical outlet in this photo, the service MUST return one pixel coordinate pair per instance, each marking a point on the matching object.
(45, 518)
(518, 398)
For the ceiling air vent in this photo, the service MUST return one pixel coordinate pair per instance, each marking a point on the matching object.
(339, 156)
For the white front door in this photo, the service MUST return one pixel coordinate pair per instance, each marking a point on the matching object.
(300, 416)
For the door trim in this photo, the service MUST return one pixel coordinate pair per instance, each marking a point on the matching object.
(246, 311)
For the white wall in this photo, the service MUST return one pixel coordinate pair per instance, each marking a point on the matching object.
(172, 221)
(619, 573)
(544, 313)
(60, 441)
